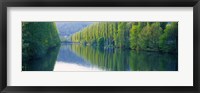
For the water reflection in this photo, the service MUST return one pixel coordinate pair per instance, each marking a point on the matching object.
(45, 63)
(75, 57)
(68, 60)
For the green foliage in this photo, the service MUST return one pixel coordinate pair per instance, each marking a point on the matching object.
(37, 38)
(169, 40)
(163, 25)
(121, 31)
(150, 36)
(155, 34)
(134, 37)
(100, 41)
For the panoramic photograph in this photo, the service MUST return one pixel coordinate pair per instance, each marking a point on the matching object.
(99, 46)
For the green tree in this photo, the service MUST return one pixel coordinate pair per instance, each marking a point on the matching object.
(100, 42)
(134, 37)
(169, 39)
(37, 38)
(121, 31)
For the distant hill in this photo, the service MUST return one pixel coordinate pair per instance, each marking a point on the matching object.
(68, 28)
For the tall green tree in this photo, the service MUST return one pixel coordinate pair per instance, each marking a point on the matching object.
(134, 37)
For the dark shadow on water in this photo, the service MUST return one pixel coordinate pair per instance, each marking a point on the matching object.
(45, 63)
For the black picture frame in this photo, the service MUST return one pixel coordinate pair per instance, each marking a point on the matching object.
(101, 3)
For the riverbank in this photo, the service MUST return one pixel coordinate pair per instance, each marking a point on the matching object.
(114, 47)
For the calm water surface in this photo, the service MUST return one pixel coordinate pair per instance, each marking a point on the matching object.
(76, 57)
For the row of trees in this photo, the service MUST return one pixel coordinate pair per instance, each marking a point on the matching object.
(151, 36)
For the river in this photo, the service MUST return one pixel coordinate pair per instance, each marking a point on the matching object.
(76, 57)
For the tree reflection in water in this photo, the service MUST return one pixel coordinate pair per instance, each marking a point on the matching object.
(115, 59)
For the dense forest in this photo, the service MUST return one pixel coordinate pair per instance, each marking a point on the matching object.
(148, 36)
(38, 38)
